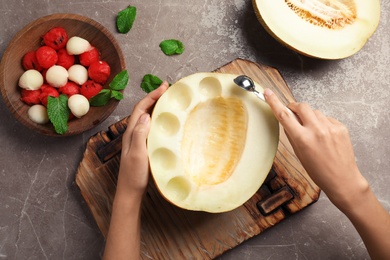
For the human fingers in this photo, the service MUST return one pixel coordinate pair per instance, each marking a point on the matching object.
(334, 121)
(140, 108)
(322, 118)
(281, 112)
(134, 166)
(126, 137)
(146, 104)
(140, 133)
(304, 112)
(326, 119)
(320, 115)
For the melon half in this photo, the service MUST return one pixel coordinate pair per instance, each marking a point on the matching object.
(211, 144)
(326, 29)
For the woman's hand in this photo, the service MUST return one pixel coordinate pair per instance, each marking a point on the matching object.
(124, 235)
(134, 165)
(324, 148)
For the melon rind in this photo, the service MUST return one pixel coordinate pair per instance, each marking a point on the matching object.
(314, 41)
(165, 144)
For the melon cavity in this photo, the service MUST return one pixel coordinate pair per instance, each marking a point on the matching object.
(326, 29)
(211, 144)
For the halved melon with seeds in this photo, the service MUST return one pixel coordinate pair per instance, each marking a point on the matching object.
(327, 29)
(211, 143)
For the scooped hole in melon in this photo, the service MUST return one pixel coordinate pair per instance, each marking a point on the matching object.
(178, 188)
(168, 123)
(210, 87)
(164, 159)
(211, 144)
(180, 98)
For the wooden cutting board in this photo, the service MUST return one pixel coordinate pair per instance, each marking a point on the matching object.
(169, 232)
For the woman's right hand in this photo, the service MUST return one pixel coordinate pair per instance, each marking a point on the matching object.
(324, 148)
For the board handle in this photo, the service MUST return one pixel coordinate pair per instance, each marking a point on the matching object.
(113, 141)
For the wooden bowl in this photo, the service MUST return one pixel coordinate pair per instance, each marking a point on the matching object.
(30, 38)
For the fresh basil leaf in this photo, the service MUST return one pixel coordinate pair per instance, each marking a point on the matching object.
(58, 112)
(116, 94)
(171, 47)
(125, 19)
(150, 82)
(101, 98)
(120, 81)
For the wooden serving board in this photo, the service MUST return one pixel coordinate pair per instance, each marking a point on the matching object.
(169, 232)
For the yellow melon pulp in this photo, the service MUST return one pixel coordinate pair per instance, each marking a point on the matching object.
(211, 144)
(327, 29)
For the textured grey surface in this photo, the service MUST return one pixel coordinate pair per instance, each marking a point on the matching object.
(43, 216)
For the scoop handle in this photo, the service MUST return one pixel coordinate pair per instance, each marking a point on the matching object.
(259, 95)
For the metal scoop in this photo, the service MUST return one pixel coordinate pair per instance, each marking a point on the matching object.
(247, 83)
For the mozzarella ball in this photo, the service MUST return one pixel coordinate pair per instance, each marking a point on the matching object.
(78, 74)
(38, 114)
(78, 105)
(31, 80)
(77, 45)
(57, 76)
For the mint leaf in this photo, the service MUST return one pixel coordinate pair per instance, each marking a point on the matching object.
(116, 94)
(101, 98)
(125, 19)
(150, 82)
(120, 81)
(58, 112)
(171, 47)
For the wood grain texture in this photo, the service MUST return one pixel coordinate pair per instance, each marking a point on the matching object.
(169, 232)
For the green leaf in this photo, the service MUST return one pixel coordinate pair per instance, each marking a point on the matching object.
(116, 85)
(58, 112)
(120, 81)
(116, 94)
(171, 47)
(101, 98)
(150, 82)
(125, 19)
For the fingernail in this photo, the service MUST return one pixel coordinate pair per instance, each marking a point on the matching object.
(144, 118)
(268, 92)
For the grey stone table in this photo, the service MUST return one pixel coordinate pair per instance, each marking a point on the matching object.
(42, 214)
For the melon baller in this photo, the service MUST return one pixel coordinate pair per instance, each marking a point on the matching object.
(247, 83)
